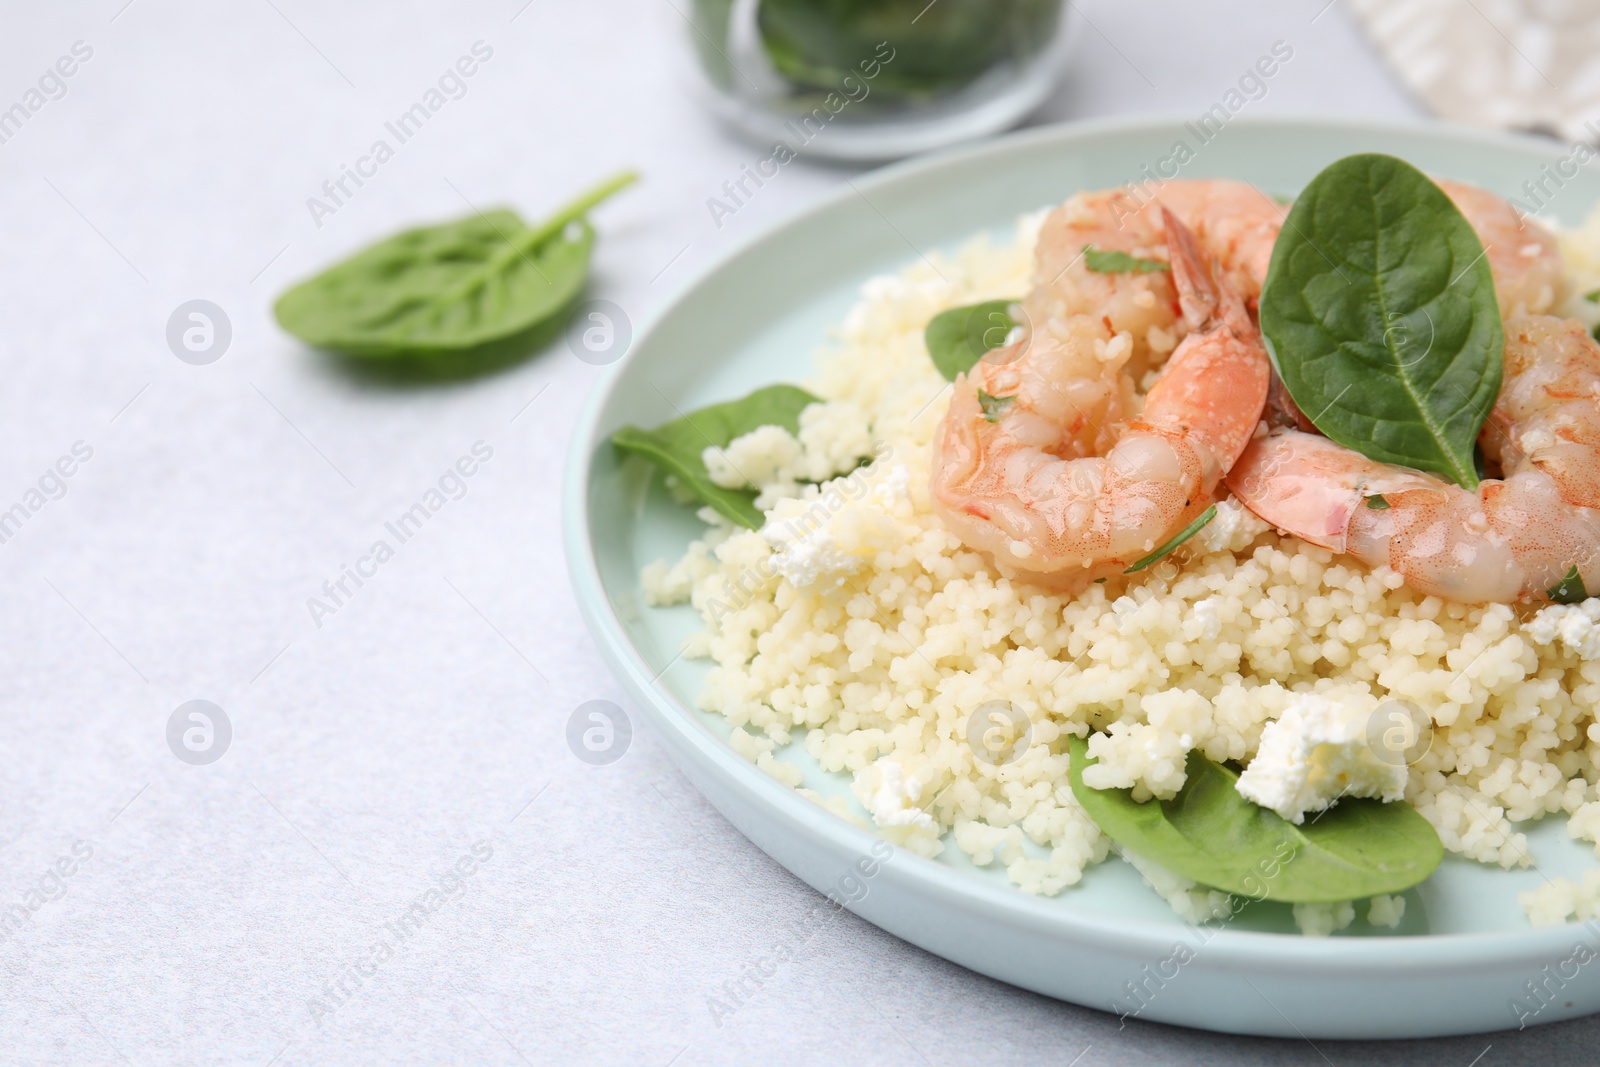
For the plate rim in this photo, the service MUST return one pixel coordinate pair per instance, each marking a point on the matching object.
(1413, 953)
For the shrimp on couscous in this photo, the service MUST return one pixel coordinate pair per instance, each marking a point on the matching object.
(857, 622)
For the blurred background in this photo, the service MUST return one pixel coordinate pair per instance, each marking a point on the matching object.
(226, 897)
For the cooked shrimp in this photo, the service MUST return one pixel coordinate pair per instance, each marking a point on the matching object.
(1234, 223)
(1513, 538)
(1014, 473)
(1523, 256)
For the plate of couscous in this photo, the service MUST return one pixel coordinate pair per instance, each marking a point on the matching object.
(1148, 565)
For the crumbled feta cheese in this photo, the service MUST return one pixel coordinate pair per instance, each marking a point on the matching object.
(1315, 753)
(809, 560)
(828, 536)
(891, 798)
(1232, 530)
(1576, 626)
(1207, 619)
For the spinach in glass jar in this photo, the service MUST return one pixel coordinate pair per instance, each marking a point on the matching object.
(937, 48)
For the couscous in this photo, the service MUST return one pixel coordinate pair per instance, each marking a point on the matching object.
(856, 616)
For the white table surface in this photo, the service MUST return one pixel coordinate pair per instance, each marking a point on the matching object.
(371, 753)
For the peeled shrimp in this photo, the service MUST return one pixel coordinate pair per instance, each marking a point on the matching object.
(1513, 538)
(1017, 471)
(1233, 222)
(1523, 256)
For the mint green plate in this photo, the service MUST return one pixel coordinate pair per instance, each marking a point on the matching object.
(1458, 962)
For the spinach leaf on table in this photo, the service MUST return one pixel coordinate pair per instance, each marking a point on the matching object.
(959, 337)
(1379, 310)
(448, 288)
(1212, 835)
(677, 447)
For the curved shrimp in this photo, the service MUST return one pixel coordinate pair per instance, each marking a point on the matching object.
(1013, 469)
(1233, 222)
(1526, 262)
(1513, 538)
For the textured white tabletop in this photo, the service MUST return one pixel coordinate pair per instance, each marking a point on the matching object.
(411, 748)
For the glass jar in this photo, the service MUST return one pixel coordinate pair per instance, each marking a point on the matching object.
(877, 79)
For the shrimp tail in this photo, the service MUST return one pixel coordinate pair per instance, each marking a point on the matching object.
(1205, 295)
(1215, 384)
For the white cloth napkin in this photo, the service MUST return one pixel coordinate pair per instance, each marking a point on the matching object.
(1517, 64)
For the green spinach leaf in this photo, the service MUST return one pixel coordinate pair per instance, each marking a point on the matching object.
(677, 446)
(448, 288)
(1119, 262)
(926, 50)
(958, 338)
(1379, 310)
(1210, 834)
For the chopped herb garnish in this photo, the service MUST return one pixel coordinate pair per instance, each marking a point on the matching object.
(993, 406)
(1569, 590)
(1377, 503)
(1593, 296)
(1119, 262)
(1183, 535)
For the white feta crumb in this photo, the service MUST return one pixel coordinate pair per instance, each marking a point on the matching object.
(830, 534)
(1386, 911)
(1315, 753)
(1576, 626)
(1208, 619)
(809, 560)
(894, 487)
(892, 800)
(1232, 530)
